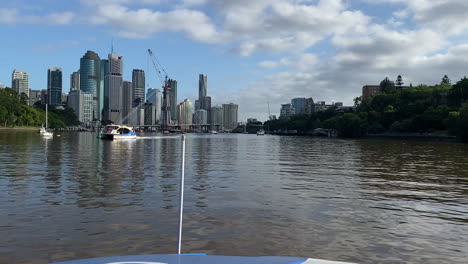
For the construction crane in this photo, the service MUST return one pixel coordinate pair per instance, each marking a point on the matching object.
(165, 109)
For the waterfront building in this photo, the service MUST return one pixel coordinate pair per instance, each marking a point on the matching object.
(322, 106)
(138, 87)
(113, 88)
(127, 102)
(158, 106)
(54, 85)
(82, 104)
(299, 105)
(154, 96)
(216, 118)
(172, 98)
(88, 103)
(20, 82)
(252, 120)
(185, 110)
(200, 117)
(287, 111)
(309, 107)
(75, 81)
(34, 96)
(74, 102)
(2, 86)
(230, 114)
(137, 116)
(90, 79)
(149, 114)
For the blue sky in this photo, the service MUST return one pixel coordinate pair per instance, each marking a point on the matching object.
(253, 51)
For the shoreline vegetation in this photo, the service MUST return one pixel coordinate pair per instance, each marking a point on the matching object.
(439, 112)
(16, 113)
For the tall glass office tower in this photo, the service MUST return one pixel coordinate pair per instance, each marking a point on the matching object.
(90, 79)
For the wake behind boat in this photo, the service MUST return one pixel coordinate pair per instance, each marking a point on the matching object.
(118, 132)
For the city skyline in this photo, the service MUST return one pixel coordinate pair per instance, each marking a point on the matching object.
(254, 52)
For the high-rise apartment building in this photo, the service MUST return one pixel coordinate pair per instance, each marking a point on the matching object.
(20, 82)
(172, 98)
(90, 80)
(113, 88)
(127, 103)
(185, 110)
(299, 105)
(34, 96)
(82, 104)
(287, 110)
(54, 85)
(217, 118)
(75, 81)
(230, 112)
(138, 86)
(153, 96)
(149, 114)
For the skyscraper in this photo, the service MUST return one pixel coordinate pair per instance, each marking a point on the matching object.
(103, 98)
(90, 79)
(126, 102)
(204, 101)
(230, 116)
(185, 110)
(138, 86)
(217, 117)
(20, 82)
(200, 117)
(158, 106)
(54, 85)
(173, 98)
(113, 82)
(75, 81)
(202, 85)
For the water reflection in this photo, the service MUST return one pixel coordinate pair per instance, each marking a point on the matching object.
(366, 201)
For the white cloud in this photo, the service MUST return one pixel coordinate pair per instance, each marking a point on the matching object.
(142, 23)
(13, 16)
(303, 62)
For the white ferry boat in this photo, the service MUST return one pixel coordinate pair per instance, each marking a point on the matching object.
(118, 132)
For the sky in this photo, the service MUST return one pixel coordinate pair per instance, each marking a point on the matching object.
(256, 53)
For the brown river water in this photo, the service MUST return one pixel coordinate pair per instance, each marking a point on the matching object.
(367, 201)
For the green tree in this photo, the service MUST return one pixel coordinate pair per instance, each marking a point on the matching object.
(387, 86)
(459, 93)
(445, 80)
(399, 82)
(463, 122)
(24, 98)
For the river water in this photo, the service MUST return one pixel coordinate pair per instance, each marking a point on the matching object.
(366, 201)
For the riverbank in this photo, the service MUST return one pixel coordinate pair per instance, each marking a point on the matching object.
(20, 128)
(441, 136)
(435, 137)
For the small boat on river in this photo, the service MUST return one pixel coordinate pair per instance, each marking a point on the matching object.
(261, 132)
(118, 132)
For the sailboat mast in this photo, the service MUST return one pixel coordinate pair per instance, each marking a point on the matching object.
(46, 124)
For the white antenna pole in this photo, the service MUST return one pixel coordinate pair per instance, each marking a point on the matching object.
(181, 192)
